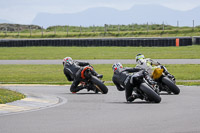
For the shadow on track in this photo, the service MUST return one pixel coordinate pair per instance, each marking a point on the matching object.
(137, 102)
(84, 93)
(163, 93)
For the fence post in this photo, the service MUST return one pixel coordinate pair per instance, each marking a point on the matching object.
(105, 28)
(132, 27)
(30, 31)
(147, 27)
(42, 31)
(55, 31)
(193, 26)
(94, 28)
(163, 26)
(177, 23)
(177, 26)
(80, 29)
(5, 31)
(67, 29)
(118, 28)
(18, 31)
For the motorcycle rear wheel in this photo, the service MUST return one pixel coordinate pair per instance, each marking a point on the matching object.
(99, 85)
(151, 94)
(173, 88)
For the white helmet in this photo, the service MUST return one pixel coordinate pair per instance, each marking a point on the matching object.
(117, 66)
(67, 59)
(139, 56)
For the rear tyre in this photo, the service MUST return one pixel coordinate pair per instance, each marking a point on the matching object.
(151, 94)
(173, 88)
(99, 85)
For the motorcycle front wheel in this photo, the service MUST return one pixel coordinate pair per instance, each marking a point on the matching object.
(173, 88)
(99, 85)
(150, 93)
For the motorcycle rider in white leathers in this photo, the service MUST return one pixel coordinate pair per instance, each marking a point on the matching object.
(148, 64)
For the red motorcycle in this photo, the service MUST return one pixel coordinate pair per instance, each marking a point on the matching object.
(92, 82)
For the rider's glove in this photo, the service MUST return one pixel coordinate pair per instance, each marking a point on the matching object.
(145, 73)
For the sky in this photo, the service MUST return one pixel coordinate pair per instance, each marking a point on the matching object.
(24, 11)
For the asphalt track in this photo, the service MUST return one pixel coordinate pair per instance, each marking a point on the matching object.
(86, 112)
(102, 61)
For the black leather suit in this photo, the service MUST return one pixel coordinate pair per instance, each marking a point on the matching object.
(121, 78)
(72, 71)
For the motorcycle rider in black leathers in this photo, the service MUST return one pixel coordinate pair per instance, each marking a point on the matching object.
(72, 70)
(124, 81)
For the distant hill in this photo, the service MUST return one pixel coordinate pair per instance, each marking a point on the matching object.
(16, 27)
(4, 21)
(139, 14)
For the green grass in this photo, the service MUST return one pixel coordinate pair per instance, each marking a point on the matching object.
(173, 33)
(53, 74)
(188, 83)
(9, 96)
(135, 30)
(32, 74)
(27, 53)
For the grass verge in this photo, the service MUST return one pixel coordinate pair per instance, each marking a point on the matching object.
(188, 83)
(32, 53)
(9, 96)
(53, 74)
(75, 33)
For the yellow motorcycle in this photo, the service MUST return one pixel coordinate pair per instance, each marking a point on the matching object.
(165, 80)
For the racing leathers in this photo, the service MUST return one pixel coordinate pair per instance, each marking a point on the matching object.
(72, 71)
(147, 64)
(123, 81)
(150, 65)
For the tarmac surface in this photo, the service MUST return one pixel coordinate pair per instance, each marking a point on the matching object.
(50, 109)
(102, 61)
(87, 112)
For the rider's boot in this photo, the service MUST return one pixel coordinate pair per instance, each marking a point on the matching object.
(133, 97)
(78, 88)
(100, 76)
(96, 74)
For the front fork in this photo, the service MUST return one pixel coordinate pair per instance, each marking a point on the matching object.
(150, 82)
(166, 73)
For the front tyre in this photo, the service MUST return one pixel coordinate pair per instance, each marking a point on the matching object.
(150, 93)
(99, 85)
(173, 88)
